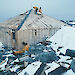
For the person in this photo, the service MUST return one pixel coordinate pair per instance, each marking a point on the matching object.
(12, 33)
(36, 9)
(40, 10)
(26, 48)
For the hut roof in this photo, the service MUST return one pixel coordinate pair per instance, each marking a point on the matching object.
(33, 21)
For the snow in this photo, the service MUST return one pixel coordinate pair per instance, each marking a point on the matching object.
(71, 22)
(65, 65)
(31, 69)
(48, 46)
(33, 56)
(57, 53)
(54, 46)
(1, 45)
(69, 72)
(63, 50)
(64, 37)
(63, 58)
(63, 61)
(9, 52)
(2, 66)
(25, 64)
(9, 55)
(69, 61)
(14, 68)
(53, 66)
(45, 50)
(15, 61)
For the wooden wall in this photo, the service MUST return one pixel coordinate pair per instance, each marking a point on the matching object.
(5, 38)
(33, 36)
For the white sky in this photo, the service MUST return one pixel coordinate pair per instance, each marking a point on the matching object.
(59, 9)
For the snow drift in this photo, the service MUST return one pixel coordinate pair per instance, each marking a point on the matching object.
(65, 38)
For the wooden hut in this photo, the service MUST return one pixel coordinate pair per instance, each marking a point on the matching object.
(31, 28)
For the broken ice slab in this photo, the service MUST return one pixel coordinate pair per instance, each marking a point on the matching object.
(36, 50)
(27, 59)
(48, 47)
(69, 72)
(63, 58)
(55, 69)
(2, 50)
(73, 65)
(45, 43)
(40, 47)
(14, 68)
(8, 52)
(38, 44)
(46, 57)
(53, 66)
(25, 64)
(20, 69)
(11, 59)
(18, 63)
(15, 61)
(31, 68)
(69, 61)
(56, 47)
(3, 63)
(64, 61)
(8, 55)
(70, 53)
(33, 56)
(64, 64)
(48, 40)
(58, 71)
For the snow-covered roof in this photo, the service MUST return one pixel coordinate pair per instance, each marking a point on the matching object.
(33, 21)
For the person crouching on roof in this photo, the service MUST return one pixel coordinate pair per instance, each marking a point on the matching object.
(26, 48)
(40, 10)
(36, 9)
